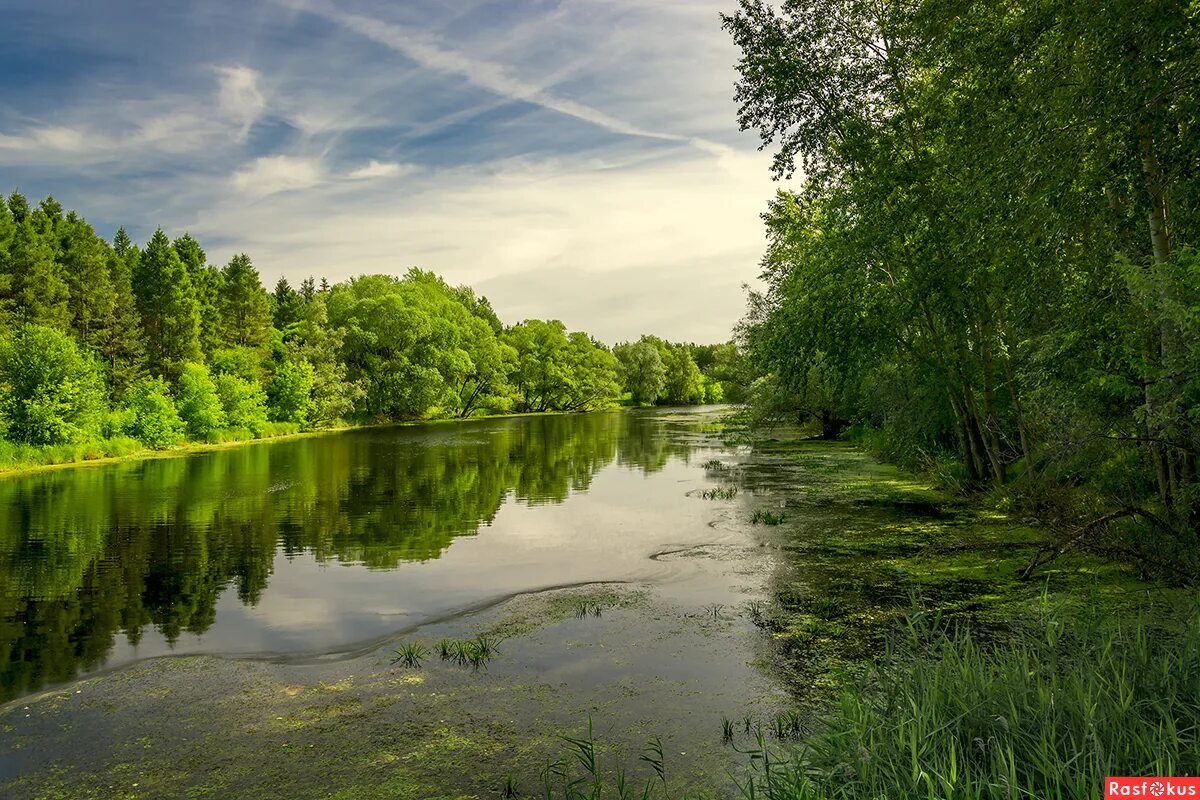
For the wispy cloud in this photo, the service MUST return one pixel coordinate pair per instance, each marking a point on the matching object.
(271, 174)
(378, 169)
(238, 95)
(426, 50)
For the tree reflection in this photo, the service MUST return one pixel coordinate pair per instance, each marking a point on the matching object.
(88, 553)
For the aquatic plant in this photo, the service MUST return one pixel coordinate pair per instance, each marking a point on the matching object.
(410, 654)
(509, 790)
(827, 608)
(767, 518)
(715, 465)
(588, 608)
(726, 730)
(720, 493)
(446, 649)
(714, 610)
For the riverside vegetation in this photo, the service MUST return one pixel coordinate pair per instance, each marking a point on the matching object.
(112, 349)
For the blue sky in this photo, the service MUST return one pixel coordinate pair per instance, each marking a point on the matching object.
(576, 159)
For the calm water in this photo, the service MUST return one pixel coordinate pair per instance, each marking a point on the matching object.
(320, 545)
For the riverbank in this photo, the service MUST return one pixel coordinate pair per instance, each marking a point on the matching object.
(15, 462)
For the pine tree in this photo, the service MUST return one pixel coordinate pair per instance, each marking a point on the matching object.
(85, 261)
(39, 288)
(167, 302)
(245, 306)
(287, 304)
(120, 343)
(207, 284)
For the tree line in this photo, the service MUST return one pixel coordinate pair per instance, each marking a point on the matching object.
(111, 346)
(990, 268)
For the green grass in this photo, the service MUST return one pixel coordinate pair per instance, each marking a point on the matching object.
(1046, 713)
(762, 517)
(411, 654)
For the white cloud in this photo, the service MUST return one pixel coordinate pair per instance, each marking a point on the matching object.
(238, 95)
(271, 174)
(378, 169)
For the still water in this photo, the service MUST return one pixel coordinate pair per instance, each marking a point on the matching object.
(321, 545)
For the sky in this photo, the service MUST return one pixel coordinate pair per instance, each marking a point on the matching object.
(576, 160)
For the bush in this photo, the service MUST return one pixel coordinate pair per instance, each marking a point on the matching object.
(155, 421)
(199, 405)
(50, 392)
(244, 403)
(289, 393)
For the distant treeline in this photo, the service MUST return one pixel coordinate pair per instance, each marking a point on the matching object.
(107, 348)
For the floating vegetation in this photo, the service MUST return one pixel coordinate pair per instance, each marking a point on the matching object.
(588, 608)
(761, 517)
(720, 493)
(410, 654)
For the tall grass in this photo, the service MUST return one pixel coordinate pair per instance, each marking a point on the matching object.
(1047, 714)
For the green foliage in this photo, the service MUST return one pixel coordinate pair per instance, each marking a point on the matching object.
(50, 391)
(198, 402)
(554, 371)
(243, 401)
(244, 305)
(170, 314)
(641, 371)
(991, 257)
(289, 392)
(153, 419)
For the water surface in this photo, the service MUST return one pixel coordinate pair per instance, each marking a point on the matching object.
(319, 545)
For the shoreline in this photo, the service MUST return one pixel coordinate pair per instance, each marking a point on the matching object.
(196, 448)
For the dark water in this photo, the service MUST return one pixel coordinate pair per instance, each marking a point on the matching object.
(316, 545)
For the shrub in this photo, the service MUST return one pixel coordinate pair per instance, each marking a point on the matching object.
(289, 393)
(244, 402)
(50, 392)
(199, 405)
(155, 421)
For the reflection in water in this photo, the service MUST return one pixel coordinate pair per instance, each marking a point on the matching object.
(91, 552)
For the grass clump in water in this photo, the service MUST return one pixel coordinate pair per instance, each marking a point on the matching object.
(410, 654)
(762, 517)
(720, 493)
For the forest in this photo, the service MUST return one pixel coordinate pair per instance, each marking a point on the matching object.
(111, 348)
(989, 271)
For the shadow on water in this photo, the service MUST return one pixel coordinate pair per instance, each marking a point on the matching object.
(162, 546)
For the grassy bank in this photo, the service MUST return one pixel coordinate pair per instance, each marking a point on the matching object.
(18, 459)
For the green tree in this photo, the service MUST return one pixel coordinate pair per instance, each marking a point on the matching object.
(244, 402)
(245, 305)
(167, 302)
(289, 392)
(154, 420)
(119, 343)
(641, 371)
(50, 391)
(198, 402)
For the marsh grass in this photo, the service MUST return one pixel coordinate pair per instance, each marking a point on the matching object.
(762, 517)
(720, 493)
(580, 776)
(1047, 713)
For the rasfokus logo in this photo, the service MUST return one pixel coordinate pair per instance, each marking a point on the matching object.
(1151, 787)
